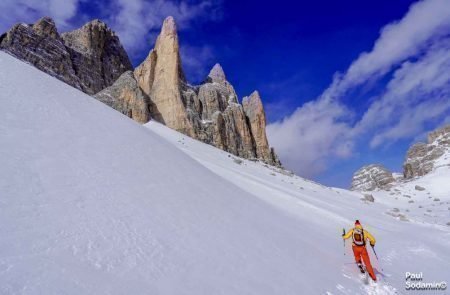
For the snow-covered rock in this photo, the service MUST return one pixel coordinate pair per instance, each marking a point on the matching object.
(421, 157)
(372, 177)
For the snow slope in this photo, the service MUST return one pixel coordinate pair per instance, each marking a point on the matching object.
(93, 203)
(414, 245)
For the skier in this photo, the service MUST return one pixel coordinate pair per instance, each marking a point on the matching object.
(359, 236)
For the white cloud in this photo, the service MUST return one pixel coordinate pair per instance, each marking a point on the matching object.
(419, 92)
(137, 20)
(398, 41)
(197, 61)
(28, 11)
(416, 48)
(306, 139)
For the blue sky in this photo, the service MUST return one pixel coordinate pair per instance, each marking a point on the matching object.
(344, 83)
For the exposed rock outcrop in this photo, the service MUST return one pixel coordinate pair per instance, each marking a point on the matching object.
(420, 158)
(41, 45)
(97, 55)
(161, 77)
(209, 112)
(126, 97)
(90, 58)
(372, 177)
(256, 116)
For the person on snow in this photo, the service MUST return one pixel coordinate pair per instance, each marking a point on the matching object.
(359, 236)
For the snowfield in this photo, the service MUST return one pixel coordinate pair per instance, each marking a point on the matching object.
(93, 203)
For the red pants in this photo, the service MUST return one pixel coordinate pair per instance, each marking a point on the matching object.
(361, 252)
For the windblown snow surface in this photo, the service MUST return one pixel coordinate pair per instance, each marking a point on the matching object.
(93, 203)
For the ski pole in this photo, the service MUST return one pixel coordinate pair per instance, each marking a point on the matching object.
(373, 248)
(374, 252)
(343, 234)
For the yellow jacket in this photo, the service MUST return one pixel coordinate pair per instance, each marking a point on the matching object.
(367, 235)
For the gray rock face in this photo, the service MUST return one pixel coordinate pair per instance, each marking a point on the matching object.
(420, 158)
(126, 97)
(217, 74)
(161, 78)
(97, 55)
(90, 58)
(372, 177)
(238, 139)
(209, 112)
(256, 117)
(41, 45)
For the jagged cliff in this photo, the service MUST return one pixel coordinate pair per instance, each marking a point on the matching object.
(90, 58)
(42, 46)
(126, 97)
(97, 55)
(209, 112)
(93, 60)
(421, 159)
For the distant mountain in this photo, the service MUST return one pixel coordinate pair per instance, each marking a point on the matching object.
(421, 159)
(93, 60)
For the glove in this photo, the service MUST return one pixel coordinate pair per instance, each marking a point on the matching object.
(373, 245)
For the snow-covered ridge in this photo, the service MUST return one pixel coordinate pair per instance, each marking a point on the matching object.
(93, 203)
(421, 159)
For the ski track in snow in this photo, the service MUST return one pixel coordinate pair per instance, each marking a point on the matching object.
(93, 203)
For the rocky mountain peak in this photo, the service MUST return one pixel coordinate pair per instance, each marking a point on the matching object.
(421, 157)
(161, 78)
(254, 111)
(91, 36)
(97, 23)
(41, 46)
(90, 58)
(97, 55)
(440, 136)
(46, 27)
(253, 103)
(217, 74)
(209, 112)
(169, 27)
(371, 177)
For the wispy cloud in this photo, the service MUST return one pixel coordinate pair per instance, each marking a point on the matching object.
(15, 11)
(425, 21)
(135, 21)
(197, 61)
(416, 49)
(306, 139)
(419, 92)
